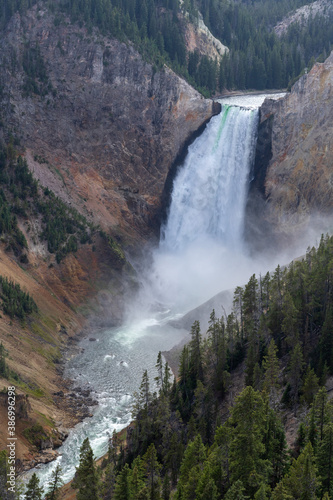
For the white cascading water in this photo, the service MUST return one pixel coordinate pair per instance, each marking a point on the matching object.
(200, 254)
(201, 250)
(209, 192)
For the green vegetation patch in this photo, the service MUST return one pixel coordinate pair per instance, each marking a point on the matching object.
(35, 434)
(14, 301)
(36, 79)
(47, 421)
(63, 228)
(116, 249)
(30, 388)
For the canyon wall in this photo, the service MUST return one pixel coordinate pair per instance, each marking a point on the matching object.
(101, 128)
(109, 126)
(293, 173)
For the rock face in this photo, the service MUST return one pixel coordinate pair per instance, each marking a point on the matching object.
(199, 38)
(302, 15)
(110, 125)
(294, 160)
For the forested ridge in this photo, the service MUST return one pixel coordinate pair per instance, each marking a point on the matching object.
(257, 59)
(188, 442)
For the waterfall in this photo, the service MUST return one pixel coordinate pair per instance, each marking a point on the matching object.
(200, 254)
(209, 193)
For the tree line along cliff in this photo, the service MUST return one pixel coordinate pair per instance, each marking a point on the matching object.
(257, 58)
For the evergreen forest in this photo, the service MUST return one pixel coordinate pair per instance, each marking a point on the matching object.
(194, 437)
(257, 58)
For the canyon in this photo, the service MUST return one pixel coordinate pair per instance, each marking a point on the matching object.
(103, 139)
(107, 138)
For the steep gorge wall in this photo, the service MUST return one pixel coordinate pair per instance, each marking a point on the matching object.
(103, 135)
(293, 182)
(111, 126)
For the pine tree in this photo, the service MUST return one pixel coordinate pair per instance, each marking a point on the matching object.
(251, 325)
(174, 457)
(236, 492)
(326, 341)
(310, 385)
(159, 366)
(196, 369)
(136, 478)
(271, 368)
(295, 374)
(290, 321)
(220, 458)
(263, 493)
(3, 367)
(55, 484)
(145, 395)
(167, 379)
(34, 491)
(217, 346)
(166, 489)
(153, 468)
(318, 417)
(141, 407)
(250, 305)
(204, 413)
(206, 489)
(86, 479)
(281, 492)
(325, 459)
(247, 448)
(122, 488)
(194, 457)
(275, 446)
(113, 448)
(238, 305)
(302, 481)
(109, 480)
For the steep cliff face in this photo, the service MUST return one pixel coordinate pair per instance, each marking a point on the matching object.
(101, 128)
(293, 171)
(109, 125)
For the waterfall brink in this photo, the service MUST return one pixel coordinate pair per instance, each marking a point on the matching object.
(209, 192)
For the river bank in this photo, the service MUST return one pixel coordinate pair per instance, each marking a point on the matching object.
(244, 93)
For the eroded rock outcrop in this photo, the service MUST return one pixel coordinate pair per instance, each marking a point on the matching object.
(110, 125)
(294, 161)
(199, 38)
(302, 15)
